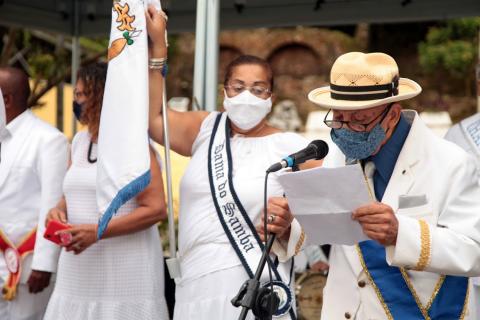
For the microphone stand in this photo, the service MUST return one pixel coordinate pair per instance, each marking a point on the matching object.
(262, 301)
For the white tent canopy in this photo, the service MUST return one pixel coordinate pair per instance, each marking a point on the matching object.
(92, 17)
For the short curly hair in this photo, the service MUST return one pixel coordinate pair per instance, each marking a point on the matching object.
(93, 77)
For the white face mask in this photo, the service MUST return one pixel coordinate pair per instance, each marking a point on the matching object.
(246, 110)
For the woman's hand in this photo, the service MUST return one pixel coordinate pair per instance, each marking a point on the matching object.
(82, 237)
(56, 214)
(279, 219)
(156, 26)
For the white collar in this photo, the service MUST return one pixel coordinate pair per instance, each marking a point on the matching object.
(15, 125)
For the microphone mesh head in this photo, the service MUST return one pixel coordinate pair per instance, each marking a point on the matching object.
(321, 148)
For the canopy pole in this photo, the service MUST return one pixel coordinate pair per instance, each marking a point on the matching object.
(75, 54)
(212, 49)
(198, 99)
(75, 67)
(168, 173)
(60, 87)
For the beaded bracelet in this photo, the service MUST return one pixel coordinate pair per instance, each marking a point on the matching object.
(159, 64)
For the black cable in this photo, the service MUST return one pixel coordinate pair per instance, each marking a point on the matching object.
(89, 155)
(265, 231)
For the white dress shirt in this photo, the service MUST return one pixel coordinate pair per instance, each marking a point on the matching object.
(33, 162)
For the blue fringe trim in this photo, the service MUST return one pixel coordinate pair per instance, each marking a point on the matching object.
(125, 194)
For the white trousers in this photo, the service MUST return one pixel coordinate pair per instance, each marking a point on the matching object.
(25, 306)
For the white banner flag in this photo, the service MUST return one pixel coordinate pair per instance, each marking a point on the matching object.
(123, 143)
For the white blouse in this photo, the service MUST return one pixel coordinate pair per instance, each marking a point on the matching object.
(203, 245)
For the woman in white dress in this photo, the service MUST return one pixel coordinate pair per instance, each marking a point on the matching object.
(120, 276)
(230, 153)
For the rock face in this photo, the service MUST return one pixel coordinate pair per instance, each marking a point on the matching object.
(301, 59)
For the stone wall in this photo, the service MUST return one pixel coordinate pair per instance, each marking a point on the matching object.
(300, 57)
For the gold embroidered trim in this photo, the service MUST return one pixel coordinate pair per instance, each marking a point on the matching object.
(372, 196)
(422, 263)
(364, 266)
(300, 242)
(465, 304)
(370, 279)
(414, 293)
(426, 246)
(438, 286)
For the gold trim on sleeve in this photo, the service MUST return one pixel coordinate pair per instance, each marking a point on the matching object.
(300, 242)
(425, 250)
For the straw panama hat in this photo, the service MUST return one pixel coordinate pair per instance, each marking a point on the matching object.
(364, 80)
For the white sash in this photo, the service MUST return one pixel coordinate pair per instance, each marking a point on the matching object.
(234, 219)
(16, 143)
(471, 129)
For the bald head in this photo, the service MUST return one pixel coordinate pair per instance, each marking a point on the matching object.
(15, 90)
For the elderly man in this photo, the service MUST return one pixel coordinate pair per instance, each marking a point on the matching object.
(424, 214)
(33, 161)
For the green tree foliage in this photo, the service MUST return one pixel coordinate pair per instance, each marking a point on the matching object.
(46, 59)
(452, 49)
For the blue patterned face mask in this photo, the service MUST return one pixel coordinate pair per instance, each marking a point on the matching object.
(358, 145)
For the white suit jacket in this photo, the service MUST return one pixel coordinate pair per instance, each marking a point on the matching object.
(33, 163)
(445, 174)
(457, 135)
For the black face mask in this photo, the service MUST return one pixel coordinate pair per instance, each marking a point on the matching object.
(77, 110)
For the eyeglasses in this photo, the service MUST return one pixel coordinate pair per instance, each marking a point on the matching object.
(237, 88)
(355, 126)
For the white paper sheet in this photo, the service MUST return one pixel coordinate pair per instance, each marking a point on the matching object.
(323, 199)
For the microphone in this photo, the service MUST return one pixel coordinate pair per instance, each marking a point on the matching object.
(317, 149)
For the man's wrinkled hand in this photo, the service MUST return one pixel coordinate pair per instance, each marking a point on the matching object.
(378, 222)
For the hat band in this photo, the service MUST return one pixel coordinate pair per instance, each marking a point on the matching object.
(364, 93)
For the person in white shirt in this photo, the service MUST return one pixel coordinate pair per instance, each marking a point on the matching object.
(313, 258)
(466, 134)
(32, 166)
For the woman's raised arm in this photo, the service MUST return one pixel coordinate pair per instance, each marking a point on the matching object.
(184, 126)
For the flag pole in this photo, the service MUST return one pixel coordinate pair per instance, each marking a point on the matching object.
(168, 173)
(172, 262)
